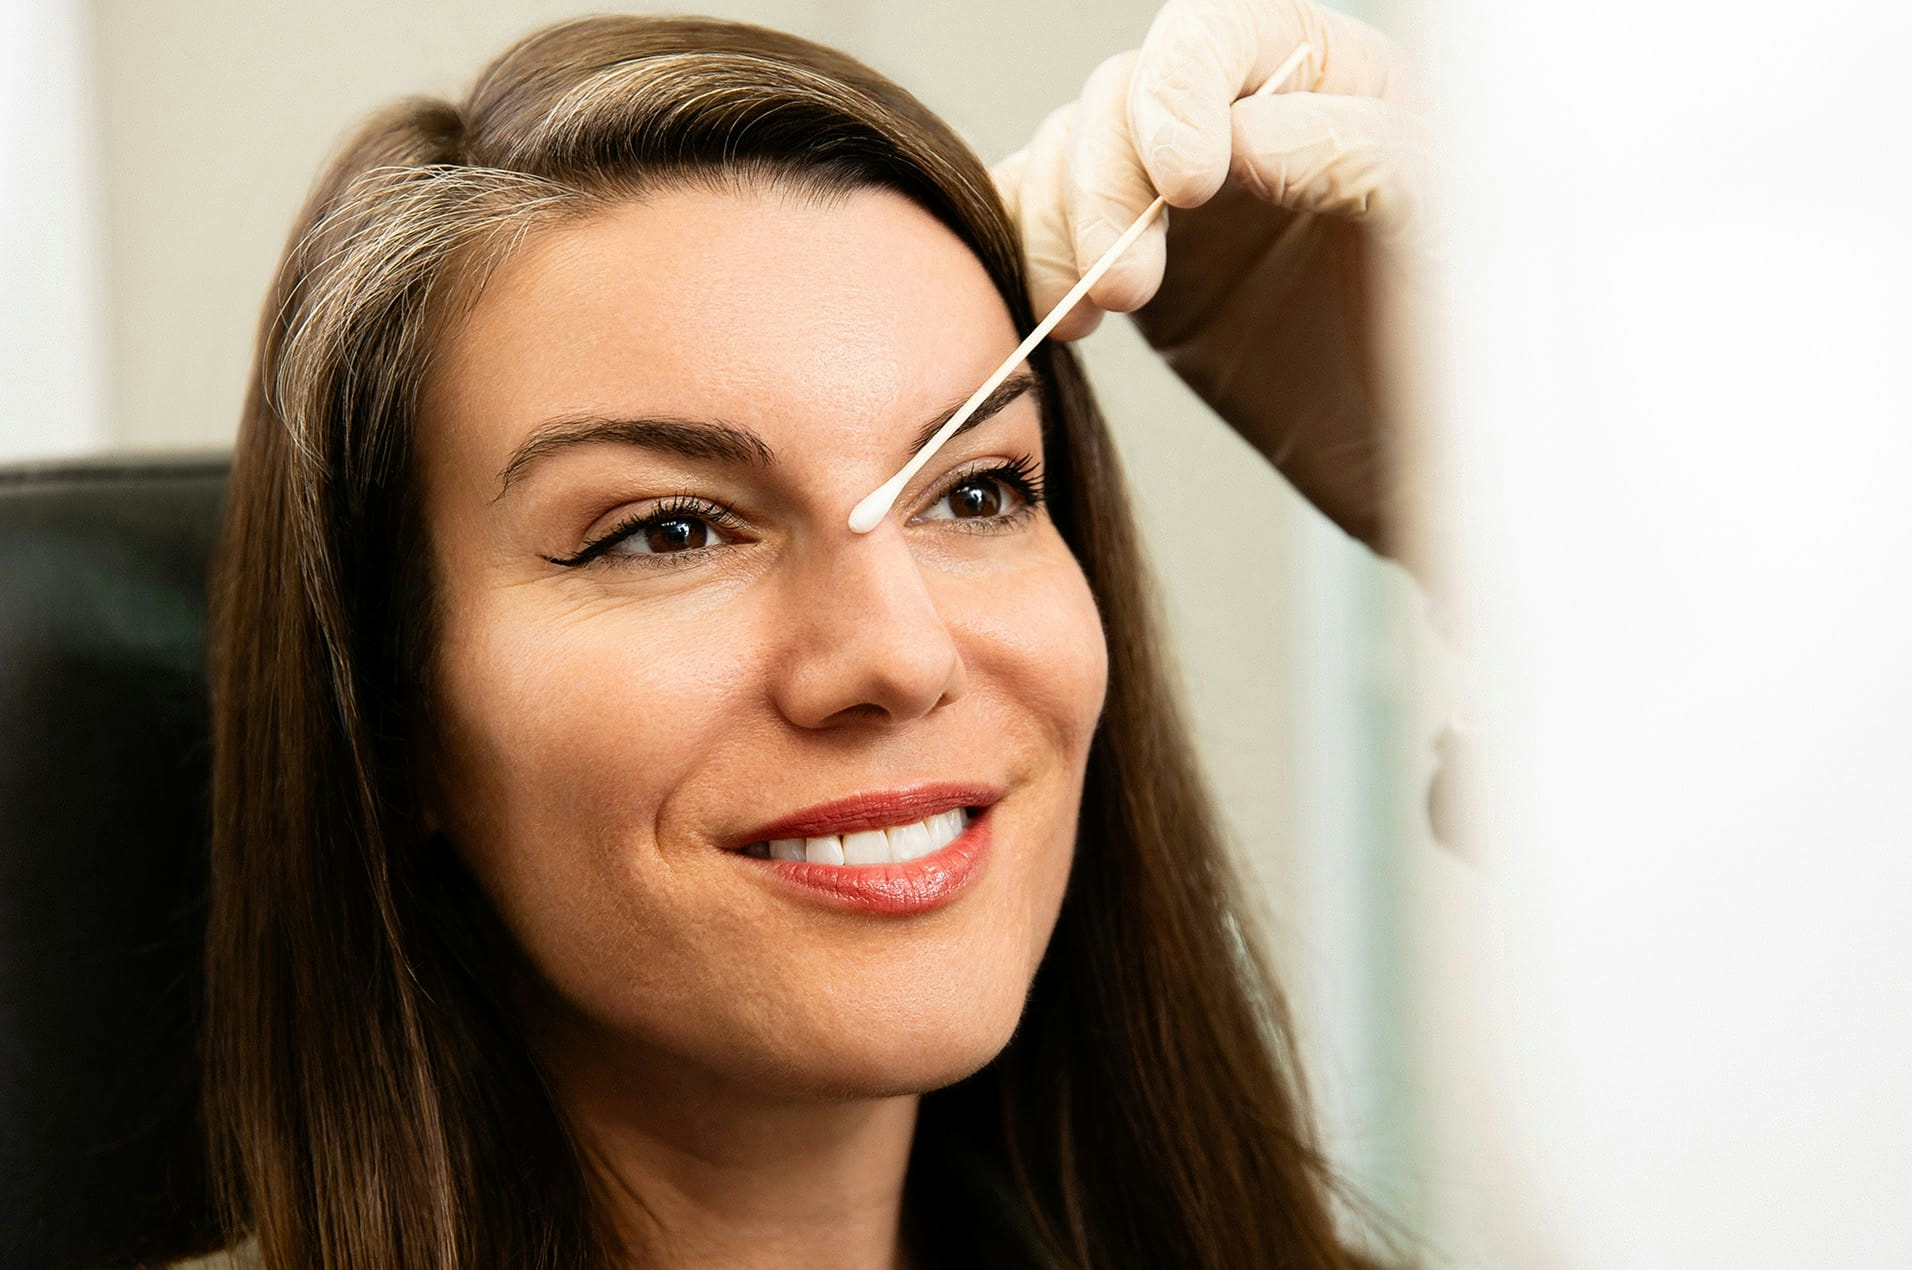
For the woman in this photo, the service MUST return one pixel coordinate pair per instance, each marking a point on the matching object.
(617, 862)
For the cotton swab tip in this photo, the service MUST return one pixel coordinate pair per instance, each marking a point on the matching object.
(869, 513)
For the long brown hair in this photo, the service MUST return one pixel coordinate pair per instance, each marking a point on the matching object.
(370, 1101)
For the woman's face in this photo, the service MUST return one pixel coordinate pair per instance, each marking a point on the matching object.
(661, 644)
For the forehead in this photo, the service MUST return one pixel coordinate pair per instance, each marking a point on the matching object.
(813, 321)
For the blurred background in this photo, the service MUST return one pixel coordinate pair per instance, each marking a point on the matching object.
(1656, 1013)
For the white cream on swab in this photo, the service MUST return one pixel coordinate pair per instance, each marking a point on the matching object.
(869, 513)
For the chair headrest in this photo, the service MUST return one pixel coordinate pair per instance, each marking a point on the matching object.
(104, 772)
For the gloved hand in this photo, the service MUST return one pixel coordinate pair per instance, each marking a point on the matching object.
(1290, 215)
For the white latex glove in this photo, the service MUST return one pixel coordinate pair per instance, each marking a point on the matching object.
(1305, 215)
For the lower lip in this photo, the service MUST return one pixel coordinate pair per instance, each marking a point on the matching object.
(912, 886)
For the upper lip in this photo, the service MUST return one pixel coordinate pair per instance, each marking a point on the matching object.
(875, 809)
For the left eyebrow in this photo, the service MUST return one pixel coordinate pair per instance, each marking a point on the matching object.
(1007, 391)
(705, 440)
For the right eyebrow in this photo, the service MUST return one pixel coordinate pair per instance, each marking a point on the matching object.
(1022, 381)
(708, 440)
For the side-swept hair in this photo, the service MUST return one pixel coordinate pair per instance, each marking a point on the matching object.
(371, 1101)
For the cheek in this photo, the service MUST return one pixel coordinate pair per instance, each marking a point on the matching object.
(590, 715)
(1035, 643)
(565, 740)
(1038, 664)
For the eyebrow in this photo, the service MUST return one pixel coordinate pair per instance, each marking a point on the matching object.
(712, 440)
(708, 440)
(1007, 391)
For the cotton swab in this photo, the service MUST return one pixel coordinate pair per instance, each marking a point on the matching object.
(869, 513)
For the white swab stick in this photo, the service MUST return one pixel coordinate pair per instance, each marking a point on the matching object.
(869, 513)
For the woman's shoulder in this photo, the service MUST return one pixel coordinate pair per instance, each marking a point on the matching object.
(243, 1256)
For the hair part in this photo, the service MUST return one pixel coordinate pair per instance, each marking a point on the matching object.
(370, 1101)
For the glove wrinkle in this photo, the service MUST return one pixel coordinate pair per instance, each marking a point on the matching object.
(1112, 189)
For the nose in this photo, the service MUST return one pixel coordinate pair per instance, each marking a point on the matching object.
(865, 641)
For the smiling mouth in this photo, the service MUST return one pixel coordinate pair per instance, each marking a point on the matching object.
(895, 844)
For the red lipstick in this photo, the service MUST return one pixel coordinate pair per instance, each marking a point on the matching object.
(895, 889)
(877, 809)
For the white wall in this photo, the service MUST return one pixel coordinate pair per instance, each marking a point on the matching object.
(1674, 1006)
(52, 306)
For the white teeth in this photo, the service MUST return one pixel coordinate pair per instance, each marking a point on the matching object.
(945, 829)
(909, 841)
(872, 846)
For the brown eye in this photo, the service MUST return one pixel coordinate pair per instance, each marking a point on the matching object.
(677, 534)
(679, 527)
(977, 496)
(991, 498)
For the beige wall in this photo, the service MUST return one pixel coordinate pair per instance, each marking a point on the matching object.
(215, 115)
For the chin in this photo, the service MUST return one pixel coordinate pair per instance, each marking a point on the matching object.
(913, 1054)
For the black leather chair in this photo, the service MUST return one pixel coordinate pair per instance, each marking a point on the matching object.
(104, 753)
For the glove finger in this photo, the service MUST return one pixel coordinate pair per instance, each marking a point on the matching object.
(1107, 190)
(1009, 175)
(1201, 55)
(1357, 158)
(1048, 242)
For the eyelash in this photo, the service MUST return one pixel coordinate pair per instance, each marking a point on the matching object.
(1022, 474)
(680, 507)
